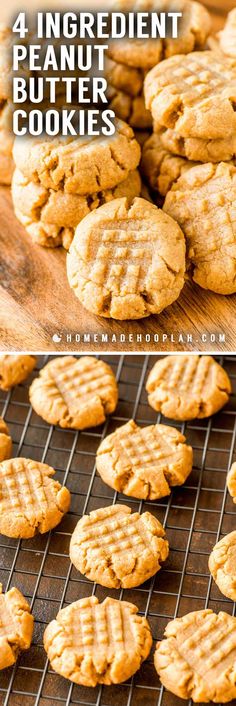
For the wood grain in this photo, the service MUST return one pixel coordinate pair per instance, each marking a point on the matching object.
(36, 302)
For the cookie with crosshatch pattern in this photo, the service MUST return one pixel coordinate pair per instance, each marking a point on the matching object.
(16, 626)
(5, 441)
(74, 393)
(197, 660)
(144, 462)
(31, 501)
(222, 565)
(118, 548)
(194, 95)
(15, 368)
(187, 386)
(94, 643)
(127, 261)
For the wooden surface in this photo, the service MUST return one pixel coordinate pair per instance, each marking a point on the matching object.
(36, 303)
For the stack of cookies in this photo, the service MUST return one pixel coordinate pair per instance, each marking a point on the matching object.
(190, 159)
(128, 61)
(57, 182)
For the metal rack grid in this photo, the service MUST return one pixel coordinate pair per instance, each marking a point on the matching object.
(196, 515)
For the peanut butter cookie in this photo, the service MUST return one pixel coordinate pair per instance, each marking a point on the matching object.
(145, 53)
(79, 165)
(127, 262)
(222, 565)
(16, 626)
(118, 549)
(15, 368)
(130, 109)
(5, 61)
(31, 502)
(5, 441)
(202, 201)
(160, 167)
(124, 78)
(94, 643)
(198, 658)
(144, 462)
(194, 95)
(74, 393)
(50, 217)
(196, 149)
(186, 386)
(231, 482)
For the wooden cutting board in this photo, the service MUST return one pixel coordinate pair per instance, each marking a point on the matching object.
(36, 303)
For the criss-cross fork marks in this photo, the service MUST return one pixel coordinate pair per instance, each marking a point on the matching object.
(143, 447)
(208, 645)
(24, 488)
(78, 380)
(187, 375)
(120, 257)
(101, 629)
(114, 532)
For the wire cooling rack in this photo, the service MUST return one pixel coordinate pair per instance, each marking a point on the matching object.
(196, 515)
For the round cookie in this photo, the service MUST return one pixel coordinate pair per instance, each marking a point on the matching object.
(227, 37)
(16, 626)
(187, 386)
(74, 393)
(202, 201)
(195, 149)
(130, 109)
(144, 462)
(194, 95)
(118, 549)
(197, 660)
(160, 167)
(127, 262)
(50, 217)
(231, 482)
(222, 565)
(6, 144)
(116, 643)
(145, 53)
(31, 502)
(79, 165)
(5, 441)
(15, 368)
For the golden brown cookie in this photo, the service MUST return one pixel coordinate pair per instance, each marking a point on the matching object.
(94, 643)
(198, 658)
(187, 386)
(194, 95)
(124, 78)
(128, 108)
(127, 262)
(231, 482)
(118, 549)
(222, 565)
(6, 144)
(196, 149)
(5, 61)
(50, 217)
(160, 167)
(202, 201)
(16, 626)
(15, 368)
(144, 462)
(74, 393)
(227, 37)
(5, 441)
(31, 502)
(145, 53)
(79, 165)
